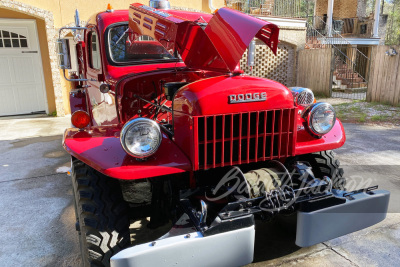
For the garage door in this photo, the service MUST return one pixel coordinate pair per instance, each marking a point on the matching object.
(21, 74)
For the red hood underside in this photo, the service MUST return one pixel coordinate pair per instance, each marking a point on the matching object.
(216, 46)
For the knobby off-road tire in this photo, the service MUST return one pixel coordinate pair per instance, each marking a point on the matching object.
(102, 215)
(323, 164)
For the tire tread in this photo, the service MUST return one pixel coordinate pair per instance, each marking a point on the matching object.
(102, 213)
(324, 163)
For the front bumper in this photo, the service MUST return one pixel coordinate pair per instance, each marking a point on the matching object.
(229, 240)
(233, 248)
(358, 212)
(230, 245)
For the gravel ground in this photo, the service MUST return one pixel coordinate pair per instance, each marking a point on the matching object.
(355, 111)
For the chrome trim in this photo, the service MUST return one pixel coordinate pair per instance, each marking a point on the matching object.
(298, 92)
(126, 128)
(232, 248)
(203, 214)
(251, 53)
(160, 4)
(309, 112)
(70, 28)
(77, 20)
(247, 97)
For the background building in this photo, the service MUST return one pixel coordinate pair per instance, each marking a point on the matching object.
(30, 80)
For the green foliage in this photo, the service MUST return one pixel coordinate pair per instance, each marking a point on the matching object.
(306, 8)
(341, 115)
(355, 108)
(366, 112)
(363, 117)
(379, 117)
(392, 8)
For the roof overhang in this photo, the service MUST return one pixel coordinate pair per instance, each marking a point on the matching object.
(350, 41)
(285, 22)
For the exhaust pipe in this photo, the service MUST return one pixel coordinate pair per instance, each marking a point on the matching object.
(160, 4)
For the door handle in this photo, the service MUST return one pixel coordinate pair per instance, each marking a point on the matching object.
(30, 52)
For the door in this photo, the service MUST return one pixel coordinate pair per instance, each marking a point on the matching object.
(103, 106)
(22, 87)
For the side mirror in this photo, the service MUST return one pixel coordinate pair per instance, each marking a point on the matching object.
(64, 57)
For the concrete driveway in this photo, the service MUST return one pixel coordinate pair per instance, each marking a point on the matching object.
(37, 217)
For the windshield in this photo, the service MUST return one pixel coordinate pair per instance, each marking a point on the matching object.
(144, 49)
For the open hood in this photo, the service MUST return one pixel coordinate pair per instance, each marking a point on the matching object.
(215, 44)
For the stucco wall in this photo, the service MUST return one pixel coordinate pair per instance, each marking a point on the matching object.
(341, 8)
(295, 36)
(64, 10)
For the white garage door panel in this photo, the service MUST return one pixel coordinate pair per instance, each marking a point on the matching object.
(27, 97)
(21, 74)
(7, 103)
(24, 70)
(5, 74)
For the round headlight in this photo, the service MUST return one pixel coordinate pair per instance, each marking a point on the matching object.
(321, 117)
(302, 96)
(141, 137)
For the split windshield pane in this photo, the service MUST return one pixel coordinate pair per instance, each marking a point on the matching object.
(144, 49)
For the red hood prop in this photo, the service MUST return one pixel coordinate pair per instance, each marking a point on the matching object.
(217, 44)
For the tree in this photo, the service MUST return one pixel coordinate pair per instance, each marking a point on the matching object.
(393, 24)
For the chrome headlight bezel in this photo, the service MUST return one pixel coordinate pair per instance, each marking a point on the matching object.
(310, 113)
(135, 123)
(302, 96)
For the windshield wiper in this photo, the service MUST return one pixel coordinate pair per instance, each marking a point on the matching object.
(122, 36)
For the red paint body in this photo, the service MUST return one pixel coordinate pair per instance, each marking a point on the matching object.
(217, 47)
(205, 125)
(77, 100)
(100, 148)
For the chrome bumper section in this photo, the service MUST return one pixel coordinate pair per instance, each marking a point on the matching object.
(233, 248)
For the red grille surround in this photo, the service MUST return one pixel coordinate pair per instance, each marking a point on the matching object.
(239, 138)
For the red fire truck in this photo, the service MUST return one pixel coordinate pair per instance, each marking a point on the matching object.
(168, 131)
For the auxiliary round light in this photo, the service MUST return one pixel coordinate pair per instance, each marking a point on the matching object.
(302, 96)
(321, 118)
(80, 119)
(141, 137)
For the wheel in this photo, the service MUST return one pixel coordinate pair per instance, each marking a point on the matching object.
(102, 215)
(323, 164)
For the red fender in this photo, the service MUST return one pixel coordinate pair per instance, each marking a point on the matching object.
(100, 148)
(306, 143)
